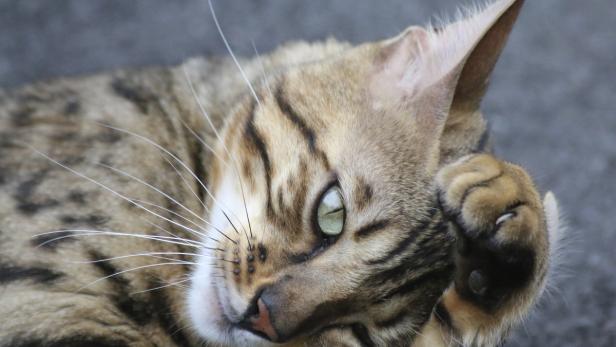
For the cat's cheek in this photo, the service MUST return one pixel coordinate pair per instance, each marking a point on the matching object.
(204, 307)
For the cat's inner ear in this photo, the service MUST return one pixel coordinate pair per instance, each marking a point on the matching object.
(444, 68)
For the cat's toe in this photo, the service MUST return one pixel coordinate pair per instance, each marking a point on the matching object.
(494, 214)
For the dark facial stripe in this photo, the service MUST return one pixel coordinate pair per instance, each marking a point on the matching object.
(362, 335)
(290, 214)
(432, 252)
(307, 133)
(370, 229)
(10, 273)
(416, 298)
(362, 193)
(437, 278)
(290, 113)
(256, 139)
(324, 313)
(407, 241)
(433, 246)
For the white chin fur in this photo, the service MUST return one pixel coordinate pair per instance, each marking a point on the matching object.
(204, 305)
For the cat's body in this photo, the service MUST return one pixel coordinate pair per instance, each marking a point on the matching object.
(60, 118)
(322, 119)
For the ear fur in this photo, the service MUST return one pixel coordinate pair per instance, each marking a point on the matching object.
(449, 66)
(480, 62)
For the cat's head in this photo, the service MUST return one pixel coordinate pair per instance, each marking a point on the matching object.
(323, 214)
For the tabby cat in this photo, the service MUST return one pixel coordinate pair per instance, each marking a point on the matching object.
(325, 194)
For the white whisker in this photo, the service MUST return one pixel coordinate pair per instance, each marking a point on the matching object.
(112, 191)
(124, 173)
(161, 287)
(265, 79)
(172, 234)
(232, 157)
(202, 141)
(237, 63)
(179, 161)
(87, 232)
(184, 218)
(148, 254)
(129, 270)
(186, 183)
(252, 90)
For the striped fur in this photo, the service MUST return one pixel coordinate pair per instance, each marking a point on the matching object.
(432, 222)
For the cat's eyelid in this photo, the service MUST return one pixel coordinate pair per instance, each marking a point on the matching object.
(335, 211)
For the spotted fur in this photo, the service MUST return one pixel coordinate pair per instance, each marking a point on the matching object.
(443, 243)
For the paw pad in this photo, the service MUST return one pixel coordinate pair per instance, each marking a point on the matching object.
(477, 283)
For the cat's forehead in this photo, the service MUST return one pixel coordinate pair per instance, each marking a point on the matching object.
(308, 137)
(337, 84)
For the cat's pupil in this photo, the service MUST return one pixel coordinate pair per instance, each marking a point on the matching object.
(331, 213)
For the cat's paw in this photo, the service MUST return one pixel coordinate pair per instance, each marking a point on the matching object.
(498, 217)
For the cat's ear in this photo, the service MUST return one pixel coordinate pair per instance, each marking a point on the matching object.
(440, 69)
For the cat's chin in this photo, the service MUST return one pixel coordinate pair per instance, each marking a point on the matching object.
(208, 317)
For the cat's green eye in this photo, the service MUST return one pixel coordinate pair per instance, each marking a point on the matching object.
(330, 213)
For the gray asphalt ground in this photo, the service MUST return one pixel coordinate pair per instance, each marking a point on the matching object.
(551, 103)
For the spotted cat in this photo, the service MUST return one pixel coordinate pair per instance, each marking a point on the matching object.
(325, 194)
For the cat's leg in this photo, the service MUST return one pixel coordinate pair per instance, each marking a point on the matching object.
(502, 251)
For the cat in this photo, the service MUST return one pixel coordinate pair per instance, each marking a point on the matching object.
(327, 194)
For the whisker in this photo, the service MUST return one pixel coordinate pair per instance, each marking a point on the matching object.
(265, 79)
(147, 203)
(143, 138)
(230, 222)
(148, 254)
(185, 262)
(228, 261)
(124, 173)
(172, 234)
(237, 63)
(161, 148)
(252, 90)
(129, 270)
(184, 327)
(113, 191)
(186, 183)
(204, 143)
(235, 166)
(161, 287)
(85, 232)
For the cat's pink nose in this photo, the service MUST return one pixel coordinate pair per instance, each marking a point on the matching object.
(261, 322)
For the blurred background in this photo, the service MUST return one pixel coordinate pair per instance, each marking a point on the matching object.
(551, 104)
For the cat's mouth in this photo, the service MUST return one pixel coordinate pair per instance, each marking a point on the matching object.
(212, 313)
(254, 319)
